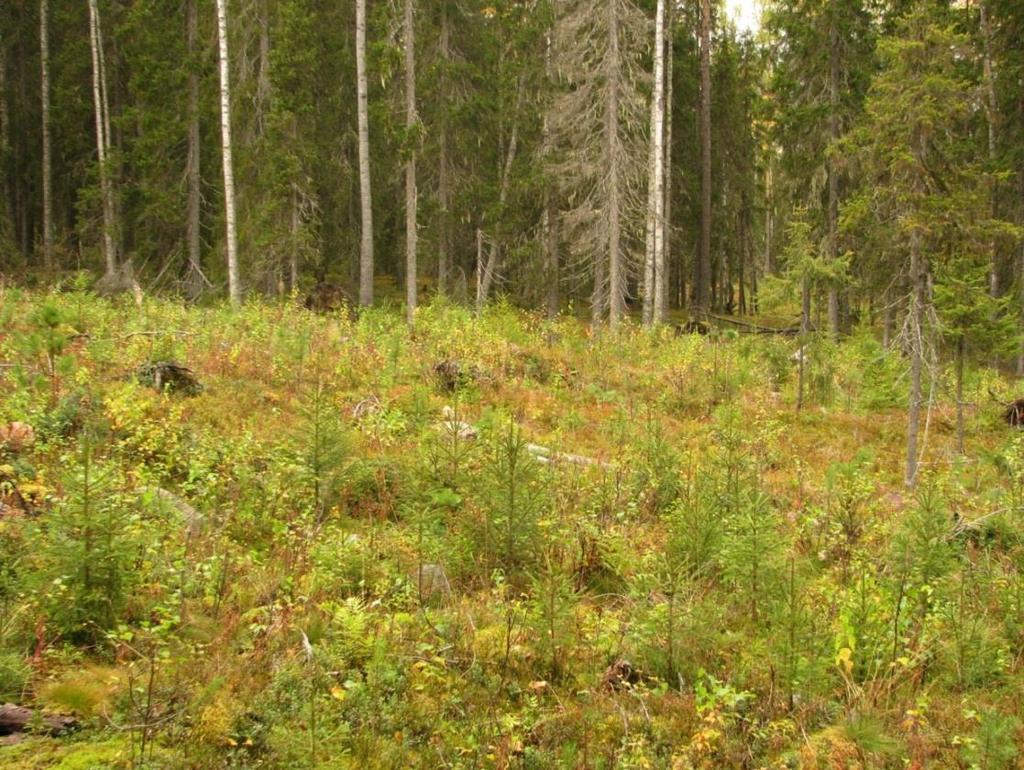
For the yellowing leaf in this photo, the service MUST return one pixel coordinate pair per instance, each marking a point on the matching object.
(845, 659)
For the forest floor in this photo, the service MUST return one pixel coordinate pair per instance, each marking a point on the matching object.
(494, 541)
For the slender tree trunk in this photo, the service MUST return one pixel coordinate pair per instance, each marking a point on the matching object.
(410, 162)
(109, 254)
(192, 166)
(231, 233)
(960, 395)
(7, 217)
(549, 216)
(769, 218)
(293, 262)
(1020, 256)
(264, 84)
(833, 172)
(991, 118)
(443, 191)
(662, 283)
(654, 263)
(805, 328)
(916, 330)
(365, 199)
(613, 157)
(702, 272)
(44, 58)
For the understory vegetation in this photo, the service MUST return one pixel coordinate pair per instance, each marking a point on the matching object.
(347, 545)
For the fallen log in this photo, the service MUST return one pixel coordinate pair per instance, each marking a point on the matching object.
(545, 456)
(753, 328)
(18, 719)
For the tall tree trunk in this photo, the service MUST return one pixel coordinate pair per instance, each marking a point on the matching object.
(264, 85)
(193, 207)
(443, 191)
(365, 200)
(702, 271)
(106, 192)
(7, 215)
(410, 162)
(549, 216)
(293, 261)
(613, 157)
(991, 118)
(960, 394)
(231, 233)
(916, 331)
(654, 257)
(44, 58)
(769, 218)
(805, 328)
(661, 298)
(833, 172)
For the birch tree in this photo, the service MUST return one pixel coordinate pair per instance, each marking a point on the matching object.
(102, 137)
(702, 265)
(230, 219)
(654, 263)
(365, 199)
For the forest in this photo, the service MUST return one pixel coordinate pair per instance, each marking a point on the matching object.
(512, 384)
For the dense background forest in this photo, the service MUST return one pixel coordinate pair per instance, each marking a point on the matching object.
(517, 384)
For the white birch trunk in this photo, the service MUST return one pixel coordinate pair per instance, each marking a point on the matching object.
(654, 256)
(365, 199)
(106, 193)
(661, 273)
(231, 233)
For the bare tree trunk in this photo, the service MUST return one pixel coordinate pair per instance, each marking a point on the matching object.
(44, 57)
(661, 283)
(443, 191)
(264, 85)
(365, 199)
(991, 118)
(805, 328)
(654, 257)
(769, 218)
(616, 276)
(234, 289)
(106, 193)
(410, 162)
(916, 332)
(7, 217)
(702, 271)
(549, 216)
(960, 394)
(833, 172)
(192, 166)
(293, 263)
